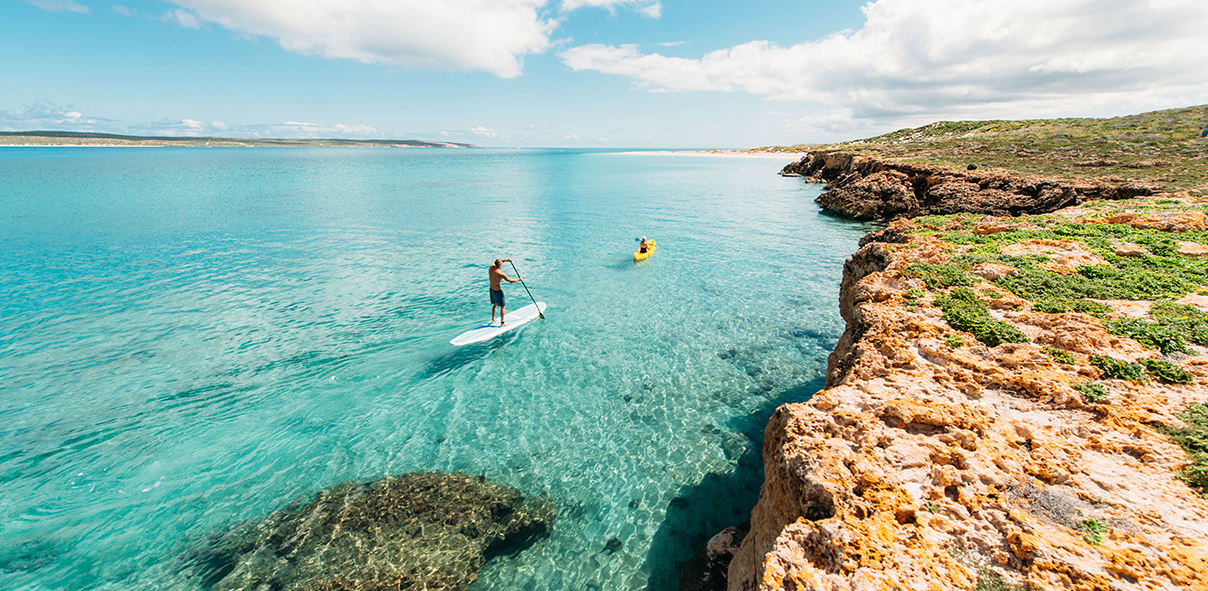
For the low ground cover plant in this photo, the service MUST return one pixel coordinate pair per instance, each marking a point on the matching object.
(1060, 356)
(1116, 369)
(1167, 372)
(1194, 440)
(1091, 391)
(965, 312)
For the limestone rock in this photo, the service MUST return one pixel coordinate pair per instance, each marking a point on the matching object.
(1065, 256)
(865, 188)
(993, 271)
(1166, 221)
(880, 195)
(927, 466)
(1192, 249)
(1128, 249)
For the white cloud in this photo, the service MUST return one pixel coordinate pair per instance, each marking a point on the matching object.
(670, 43)
(483, 132)
(646, 8)
(297, 129)
(462, 35)
(124, 10)
(927, 58)
(44, 115)
(183, 18)
(59, 6)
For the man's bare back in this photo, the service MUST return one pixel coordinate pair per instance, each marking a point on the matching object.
(496, 275)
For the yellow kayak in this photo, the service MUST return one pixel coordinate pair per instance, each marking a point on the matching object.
(641, 256)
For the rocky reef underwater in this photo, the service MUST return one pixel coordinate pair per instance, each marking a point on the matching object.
(421, 530)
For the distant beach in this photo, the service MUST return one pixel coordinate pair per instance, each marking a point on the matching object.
(725, 153)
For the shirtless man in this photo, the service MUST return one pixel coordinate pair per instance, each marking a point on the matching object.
(497, 289)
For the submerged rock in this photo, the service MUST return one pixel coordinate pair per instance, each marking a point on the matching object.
(419, 530)
(706, 570)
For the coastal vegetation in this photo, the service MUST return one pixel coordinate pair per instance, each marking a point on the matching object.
(1035, 317)
(1194, 439)
(1164, 148)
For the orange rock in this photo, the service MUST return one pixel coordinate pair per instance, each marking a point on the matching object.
(1166, 221)
(916, 449)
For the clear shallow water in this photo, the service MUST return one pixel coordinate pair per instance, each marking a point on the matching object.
(190, 338)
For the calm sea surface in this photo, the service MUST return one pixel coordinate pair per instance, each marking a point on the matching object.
(191, 338)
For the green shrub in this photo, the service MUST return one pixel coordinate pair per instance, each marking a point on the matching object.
(1059, 306)
(954, 342)
(1166, 371)
(1162, 274)
(1115, 369)
(1173, 326)
(1150, 334)
(1051, 306)
(964, 312)
(1093, 531)
(1091, 391)
(939, 276)
(1060, 356)
(1194, 439)
(1190, 321)
(1090, 308)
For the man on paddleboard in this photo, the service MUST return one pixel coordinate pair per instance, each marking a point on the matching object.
(496, 273)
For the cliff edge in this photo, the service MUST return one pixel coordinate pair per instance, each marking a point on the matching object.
(867, 188)
(1008, 407)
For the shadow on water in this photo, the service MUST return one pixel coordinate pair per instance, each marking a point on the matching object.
(720, 500)
(460, 357)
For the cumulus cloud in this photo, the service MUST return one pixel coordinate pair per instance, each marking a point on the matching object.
(461, 35)
(183, 18)
(44, 115)
(287, 129)
(296, 129)
(59, 5)
(646, 8)
(922, 58)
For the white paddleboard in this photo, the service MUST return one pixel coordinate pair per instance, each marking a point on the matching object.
(490, 330)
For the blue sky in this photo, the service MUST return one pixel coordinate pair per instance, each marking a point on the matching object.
(590, 73)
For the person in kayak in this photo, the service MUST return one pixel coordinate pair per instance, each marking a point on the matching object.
(496, 274)
(644, 246)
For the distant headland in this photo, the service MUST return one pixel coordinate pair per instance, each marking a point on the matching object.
(72, 138)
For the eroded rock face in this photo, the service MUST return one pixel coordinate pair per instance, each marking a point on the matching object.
(412, 531)
(927, 466)
(864, 188)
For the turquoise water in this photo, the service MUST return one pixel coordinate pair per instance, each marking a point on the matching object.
(190, 338)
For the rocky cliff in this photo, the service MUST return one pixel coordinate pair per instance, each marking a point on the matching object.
(999, 412)
(864, 188)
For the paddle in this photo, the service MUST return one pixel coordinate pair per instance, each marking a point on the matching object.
(526, 289)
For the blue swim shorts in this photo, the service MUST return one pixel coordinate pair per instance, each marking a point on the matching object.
(497, 297)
